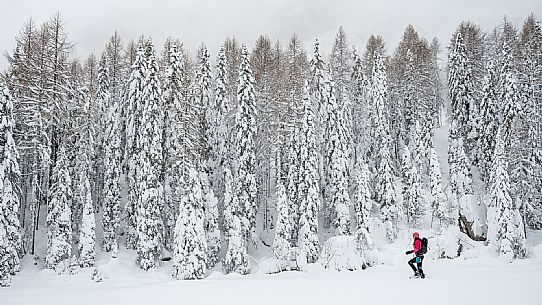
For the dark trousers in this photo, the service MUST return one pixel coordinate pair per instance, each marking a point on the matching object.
(418, 261)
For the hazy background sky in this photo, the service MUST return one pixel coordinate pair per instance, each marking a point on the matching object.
(90, 23)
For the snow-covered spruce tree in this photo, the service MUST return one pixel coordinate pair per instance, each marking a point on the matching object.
(212, 233)
(202, 95)
(113, 168)
(460, 175)
(236, 259)
(134, 109)
(340, 63)
(412, 196)
(439, 204)
(418, 148)
(461, 95)
(319, 91)
(386, 194)
(385, 186)
(530, 44)
(218, 156)
(99, 115)
(190, 248)
(10, 234)
(509, 94)
(59, 229)
(309, 186)
(244, 136)
(505, 224)
(336, 164)
(173, 142)
(281, 243)
(489, 121)
(87, 237)
(461, 90)
(149, 165)
(362, 206)
(361, 109)
(292, 182)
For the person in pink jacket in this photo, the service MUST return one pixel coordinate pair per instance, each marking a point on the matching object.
(418, 256)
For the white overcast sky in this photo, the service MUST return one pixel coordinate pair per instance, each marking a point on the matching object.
(91, 22)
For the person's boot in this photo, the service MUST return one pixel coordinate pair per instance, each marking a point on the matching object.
(422, 275)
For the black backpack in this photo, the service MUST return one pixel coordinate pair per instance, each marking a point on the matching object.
(424, 245)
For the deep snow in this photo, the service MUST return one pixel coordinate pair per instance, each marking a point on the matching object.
(476, 278)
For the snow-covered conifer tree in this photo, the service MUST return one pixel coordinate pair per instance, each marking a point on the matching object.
(236, 259)
(385, 185)
(362, 206)
(244, 135)
(212, 233)
(439, 204)
(59, 228)
(361, 124)
(505, 224)
(281, 243)
(10, 235)
(412, 196)
(219, 128)
(149, 166)
(134, 108)
(113, 168)
(461, 95)
(87, 237)
(489, 122)
(190, 248)
(336, 164)
(293, 182)
(509, 94)
(461, 90)
(204, 103)
(309, 187)
(174, 142)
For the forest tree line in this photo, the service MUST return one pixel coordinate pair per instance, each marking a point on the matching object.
(194, 156)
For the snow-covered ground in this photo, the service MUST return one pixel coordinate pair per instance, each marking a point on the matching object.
(476, 278)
